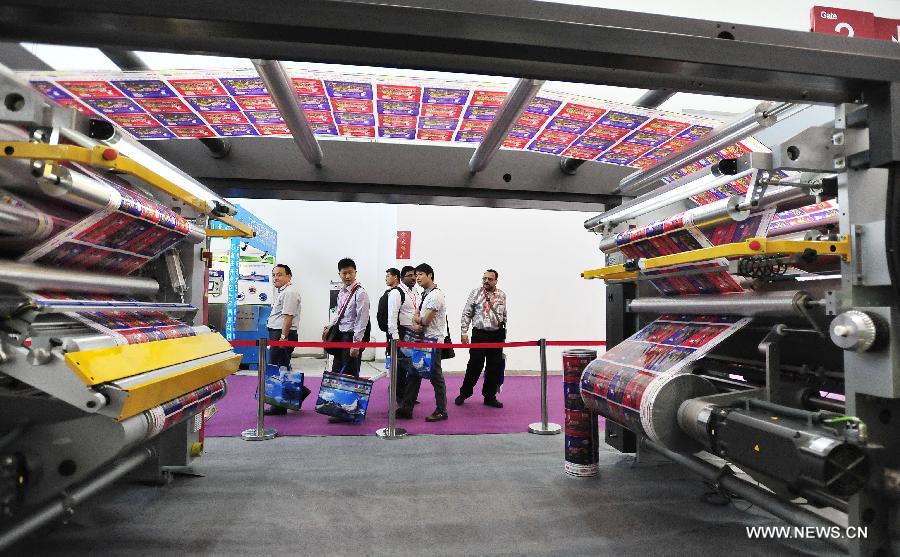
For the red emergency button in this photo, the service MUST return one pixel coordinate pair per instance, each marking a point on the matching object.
(110, 154)
(755, 245)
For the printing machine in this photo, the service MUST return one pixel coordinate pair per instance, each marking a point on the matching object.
(823, 303)
(83, 401)
(823, 309)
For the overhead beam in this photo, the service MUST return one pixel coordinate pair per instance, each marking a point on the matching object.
(392, 173)
(513, 105)
(16, 57)
(279, 85)
(534, 40)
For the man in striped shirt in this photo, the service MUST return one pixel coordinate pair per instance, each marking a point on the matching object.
(485, 310)
(353, 322)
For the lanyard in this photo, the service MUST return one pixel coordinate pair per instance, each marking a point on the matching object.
(412, 296)
(488, 304)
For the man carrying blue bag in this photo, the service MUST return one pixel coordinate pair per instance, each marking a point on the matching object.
(430, 325)
(282, 325)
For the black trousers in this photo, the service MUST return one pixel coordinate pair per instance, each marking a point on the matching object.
(281, 356)
(489, 359)
(414, 382)
(343, 362)
(403, 369)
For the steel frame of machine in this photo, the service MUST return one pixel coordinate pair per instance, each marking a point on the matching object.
(576, 44)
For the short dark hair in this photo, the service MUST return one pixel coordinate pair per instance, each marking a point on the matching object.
(394, 272)
(406, 269)
(425, 268)
(346, 262)
(287, 270)
(496, 274)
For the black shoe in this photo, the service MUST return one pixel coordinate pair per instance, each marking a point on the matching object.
(459, 400)
(436, 416)
(403, 414)
(493, 402)
(275, 411)
(336, 420)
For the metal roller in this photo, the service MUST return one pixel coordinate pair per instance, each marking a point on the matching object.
(94, 342)
(88, 193)
(761, 117)
(712, 213)
(29, 277)
(147, 158)
(747, 305)
(23, 222)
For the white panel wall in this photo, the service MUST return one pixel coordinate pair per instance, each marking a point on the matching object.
(539, 255)
(314, 235)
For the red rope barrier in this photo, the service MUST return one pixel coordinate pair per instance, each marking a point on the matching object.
(576, 343)
(469, 345)
(304, 344)
(517, 344)
(244, 342)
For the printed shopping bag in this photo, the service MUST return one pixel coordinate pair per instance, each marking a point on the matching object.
(344, 396)
(421, 359)
(284, 387)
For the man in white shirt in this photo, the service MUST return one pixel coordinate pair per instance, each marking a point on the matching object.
(431, 321)
(283, 322)
(401, 310)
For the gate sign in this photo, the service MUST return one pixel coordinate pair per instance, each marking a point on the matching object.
(404, 237)
(887, 29)
(837, 21)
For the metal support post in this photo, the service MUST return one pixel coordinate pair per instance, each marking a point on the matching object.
(260, 432)
(544, 428)
(391, 431)
(770, 347)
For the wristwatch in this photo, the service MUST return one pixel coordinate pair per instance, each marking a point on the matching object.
(283, 337)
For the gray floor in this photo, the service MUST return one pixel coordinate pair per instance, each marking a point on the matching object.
(426, 495)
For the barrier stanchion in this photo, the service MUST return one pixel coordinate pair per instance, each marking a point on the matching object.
(391, 431)
(260, 432)
(544, 428)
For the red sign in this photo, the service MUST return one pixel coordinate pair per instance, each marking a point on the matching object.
(403, 240)
(887, 29)
(836, 21)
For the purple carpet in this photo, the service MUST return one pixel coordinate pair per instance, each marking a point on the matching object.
(520, 397)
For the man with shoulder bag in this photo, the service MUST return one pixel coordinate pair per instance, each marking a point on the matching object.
(396, 308)
(350, 323)
(486, 311)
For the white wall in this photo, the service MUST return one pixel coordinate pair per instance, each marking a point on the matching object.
(314, 235)
(539, 255)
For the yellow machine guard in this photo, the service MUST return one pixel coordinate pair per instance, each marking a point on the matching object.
(155, 392)
(118, 362)
(107, 365)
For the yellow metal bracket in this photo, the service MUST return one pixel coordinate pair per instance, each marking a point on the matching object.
(223, 233)
(750, 247)
(109, 158)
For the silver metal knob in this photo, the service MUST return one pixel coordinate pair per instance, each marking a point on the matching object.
(854, 330)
